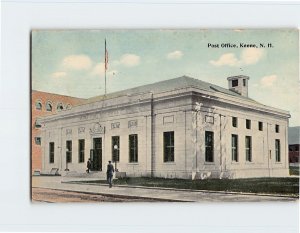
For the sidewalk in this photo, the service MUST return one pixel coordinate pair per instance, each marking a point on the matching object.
(152, 193)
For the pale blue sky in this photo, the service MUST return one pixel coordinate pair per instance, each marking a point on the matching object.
(71, 62)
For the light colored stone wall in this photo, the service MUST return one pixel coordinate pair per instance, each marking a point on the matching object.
(171, 111)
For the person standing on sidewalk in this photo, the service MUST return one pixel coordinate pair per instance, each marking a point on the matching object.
(89, 166)
(109, 173)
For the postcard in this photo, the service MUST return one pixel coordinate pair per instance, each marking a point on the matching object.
(207, 115)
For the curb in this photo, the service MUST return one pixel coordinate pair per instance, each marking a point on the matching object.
(186, 190)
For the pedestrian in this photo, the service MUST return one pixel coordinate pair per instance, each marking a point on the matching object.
(109, 173)
(88, 165)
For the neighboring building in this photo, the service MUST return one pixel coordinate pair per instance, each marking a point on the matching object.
(178, 128)
(294, 144)
(43, 104)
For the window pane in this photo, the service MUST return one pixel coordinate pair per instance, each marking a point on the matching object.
(277, 150)
(81, 150)
(115, 143)
(209, 146)
(234, 142)
(51, 152)
(69, 151)
(133, 148)
(169, 146)
(235, 83)
(248, 149)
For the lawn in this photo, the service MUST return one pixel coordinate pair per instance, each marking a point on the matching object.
(294, 170)
(285, 186)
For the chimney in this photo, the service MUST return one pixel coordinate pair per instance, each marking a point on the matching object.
(239, 84)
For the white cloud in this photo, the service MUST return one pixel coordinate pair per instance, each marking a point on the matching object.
(248, 56)
(58, 74)
(175, 55)
(77, 62)
(225, 59)
(130, 60)
(268, 81)
(251, 55)
(98, 69)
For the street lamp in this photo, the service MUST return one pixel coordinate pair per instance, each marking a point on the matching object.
(115, 155)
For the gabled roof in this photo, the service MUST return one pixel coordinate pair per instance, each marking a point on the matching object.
(171, 84)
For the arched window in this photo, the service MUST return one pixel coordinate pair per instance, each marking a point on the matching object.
(69, 106)
(38, 105)
(49, 106)
(60, 107)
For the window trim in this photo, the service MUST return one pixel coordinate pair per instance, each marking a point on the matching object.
(169, 158)
(113, 149)
(49, 103)
(133, 158)
(248, 159)
(260, 126)
(69, 151)
(51, 153)
(207, 159)
(234, 82)
(81, 151)
(234, 122)
(248, 124)
(277, 129)
(277, 151)
(38, 102)
(236, 149)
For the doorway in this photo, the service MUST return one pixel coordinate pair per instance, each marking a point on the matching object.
(96, 156)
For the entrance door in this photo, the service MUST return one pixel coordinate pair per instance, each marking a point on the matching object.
(97, 155)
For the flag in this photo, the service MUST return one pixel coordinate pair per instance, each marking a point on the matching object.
(106, 57)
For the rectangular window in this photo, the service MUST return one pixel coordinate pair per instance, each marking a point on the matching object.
(277, 128)
(244, 82)
(234, 147)
(69, 151)
(260, 126)
(234, 121)
(37, 140)
(81, 145)
(169, 146)
(248, 124)
(133, 148)
(277, 150)
(248, 146)
(235, 83)
(51, 152)
(115, 148)
(209, 146)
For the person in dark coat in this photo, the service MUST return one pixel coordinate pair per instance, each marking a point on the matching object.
(89, 166)
(109, 173)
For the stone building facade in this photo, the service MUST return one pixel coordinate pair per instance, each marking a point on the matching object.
(178, 128)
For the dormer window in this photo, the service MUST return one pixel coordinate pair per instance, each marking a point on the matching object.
(235, 83)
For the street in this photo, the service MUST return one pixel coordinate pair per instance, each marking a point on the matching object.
(65, 191)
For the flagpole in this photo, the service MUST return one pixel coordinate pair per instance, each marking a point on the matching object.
(105, 65)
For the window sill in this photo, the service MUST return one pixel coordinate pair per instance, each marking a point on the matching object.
(133, 163)
(169, 163)
(209, 163)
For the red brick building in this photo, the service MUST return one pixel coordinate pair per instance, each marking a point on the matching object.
(43, 104)
(294, 144)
